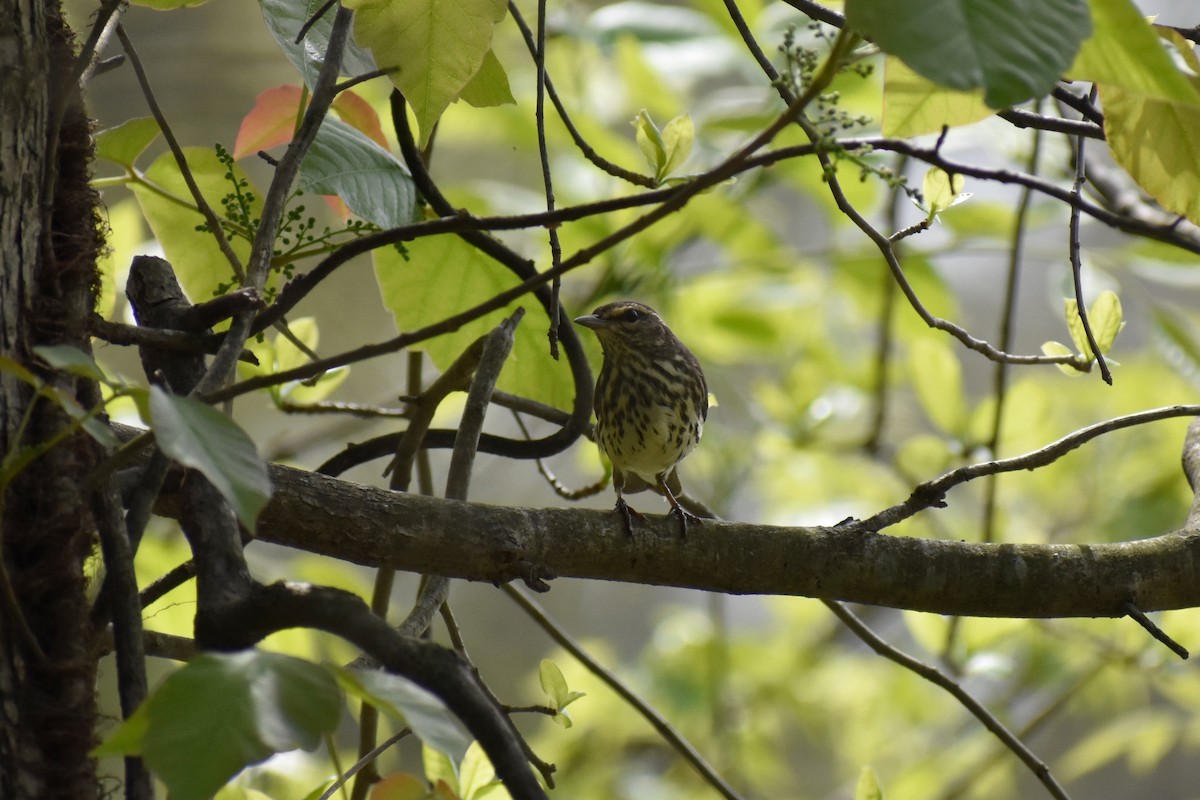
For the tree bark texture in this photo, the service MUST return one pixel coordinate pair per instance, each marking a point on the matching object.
(49, 236)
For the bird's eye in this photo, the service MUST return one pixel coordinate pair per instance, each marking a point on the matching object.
(631, 315)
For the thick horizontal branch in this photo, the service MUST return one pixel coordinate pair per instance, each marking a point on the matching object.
(377, 527)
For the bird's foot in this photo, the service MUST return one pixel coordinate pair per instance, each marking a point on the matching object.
(627, 515)
(685, 517)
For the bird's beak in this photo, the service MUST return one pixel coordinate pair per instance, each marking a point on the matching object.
(591, 321)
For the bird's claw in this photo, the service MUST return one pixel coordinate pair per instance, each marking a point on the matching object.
(627, 515)
(685, 517)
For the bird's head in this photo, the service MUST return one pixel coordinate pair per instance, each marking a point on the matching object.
(628, 325)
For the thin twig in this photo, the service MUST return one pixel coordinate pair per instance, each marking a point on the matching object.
(585, 149)
(210, 217)
(367, 758)
(1138, 616)
(931, 493)
(1077, 264)
(968, 701)
(648, 712)
(1008, 320)
(539, 114)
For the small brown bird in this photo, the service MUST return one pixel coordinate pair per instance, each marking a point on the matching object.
(651, 403)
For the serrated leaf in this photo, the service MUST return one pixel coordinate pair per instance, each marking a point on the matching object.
(403, 700)
(913, 105)
(202, 438)
(442, 276)
(1014, 50)
(236, 709)
(375, 184)
(1106, 319)
(1060, 349)
(124, 143)
(937, 379)
(433, 47)
(284, 19)
(650, 141)
(70, 359)
(198, 263)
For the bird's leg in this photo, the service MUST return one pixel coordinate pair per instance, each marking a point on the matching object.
(627, 515)
(679, 511)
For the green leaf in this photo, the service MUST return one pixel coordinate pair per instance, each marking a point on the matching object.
(1106, 319)
(477, 776)
(439, 768)
(235, 709)
(124, 143)
(283, 355)
(937, 379)
(868, 786)
(373, 183)
(284, 19)
(198, 262)
(1151, 108)
(650, 141)
(15, 368)
(402, 699)
(443, 276)
(941, 190)
(489, 86)
(1060, 349)
(433, 47)
(127, 232)
(1075, 327)
(200, 437)
(1014, 49)
(555, 685)
(70, 359)
(913, 105)
(677, 139)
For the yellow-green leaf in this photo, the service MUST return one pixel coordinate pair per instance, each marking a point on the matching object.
(677, 138)
(941, 190)
(1060, 349)
(489, 86)
(433, 47)
(913, 105)
(1106, 319)
(868, 786)
(442, 276)
(650, 141)
(937, 379)
(1151, 109)
(1075, 327)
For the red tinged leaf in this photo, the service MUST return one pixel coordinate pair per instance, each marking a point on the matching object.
(357, 113)
(271, 122)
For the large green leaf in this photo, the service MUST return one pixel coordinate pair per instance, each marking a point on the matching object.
(200, 437)
(489, 86)
(434, 47)
(172, 215)
(402, 699)
(371, 181)
(937, 379)
(443, 276)
(284, 19)
(222, 712)
(1151, 109)
(1014, 49)
(125, 142)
